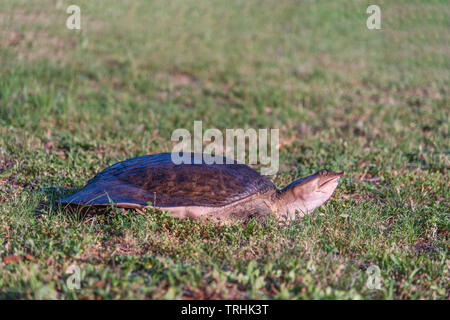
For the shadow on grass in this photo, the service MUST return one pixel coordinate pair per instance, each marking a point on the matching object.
(53, 207)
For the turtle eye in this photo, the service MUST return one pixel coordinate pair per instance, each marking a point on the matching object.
(323, 172)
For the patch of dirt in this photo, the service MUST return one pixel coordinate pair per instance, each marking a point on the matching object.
(3, 181)
(37, 45)
(49, 147)
(366, 177)
(173, 85)
(4, 164)
(206, 293)
(27, 34)
(102, 251)
(17, 258)
(358, 197)
(9, 187)
(14, 38)
(175, 79)
(327, 62)
(424, 245)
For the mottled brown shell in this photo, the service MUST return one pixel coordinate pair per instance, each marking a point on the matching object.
(156, 179)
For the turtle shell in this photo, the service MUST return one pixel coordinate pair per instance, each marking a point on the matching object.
(156, 179)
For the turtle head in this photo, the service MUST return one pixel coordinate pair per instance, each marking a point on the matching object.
(306, 194)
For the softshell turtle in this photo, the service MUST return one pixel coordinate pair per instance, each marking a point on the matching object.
(222, 192)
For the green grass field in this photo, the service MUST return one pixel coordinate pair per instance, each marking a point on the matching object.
(374, 103)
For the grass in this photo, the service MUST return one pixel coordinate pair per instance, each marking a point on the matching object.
(372, 103)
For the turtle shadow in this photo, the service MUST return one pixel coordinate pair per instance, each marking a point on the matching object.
(52, 194)
(51, 206)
